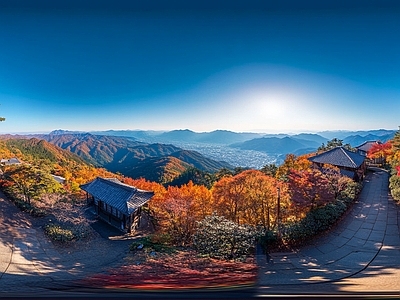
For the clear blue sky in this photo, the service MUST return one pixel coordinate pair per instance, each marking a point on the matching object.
(287, 67)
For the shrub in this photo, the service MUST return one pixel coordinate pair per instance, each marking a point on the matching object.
(394, 185)
(350, 190)
(155, 242)
(57, 233)
(218, 237)
(316, 221)
(66, 233)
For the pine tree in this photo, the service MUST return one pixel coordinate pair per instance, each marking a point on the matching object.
(396, 140)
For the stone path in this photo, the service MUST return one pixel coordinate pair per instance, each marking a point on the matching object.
(29, 261)
(371, 228)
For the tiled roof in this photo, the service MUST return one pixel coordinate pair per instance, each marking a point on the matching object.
(339, 157)
(123, 197)
(367, 145)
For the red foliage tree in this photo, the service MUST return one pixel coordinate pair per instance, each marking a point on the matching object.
(310, 188)
(380, 151)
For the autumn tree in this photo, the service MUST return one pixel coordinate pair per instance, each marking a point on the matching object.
(228, 198)
(292, 162)
(310, 189)
(250, 197)
(31, 182)
(181, 208)
(380, 152)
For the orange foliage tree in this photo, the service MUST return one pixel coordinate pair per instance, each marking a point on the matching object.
(250, 197)
(380, 152)
(180, 208)
(310, 189)
(293, 162)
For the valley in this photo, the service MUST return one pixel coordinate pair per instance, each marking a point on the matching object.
(164, 156)
(233, 156)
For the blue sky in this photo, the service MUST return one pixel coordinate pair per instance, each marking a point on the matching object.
(267, 67)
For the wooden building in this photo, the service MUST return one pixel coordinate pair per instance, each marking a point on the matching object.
(351, 164)
(365, 147)
(117, 203)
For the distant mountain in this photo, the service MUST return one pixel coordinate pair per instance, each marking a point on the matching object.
(221, 137)
(148, 136)
(311, 137)
(133, 158)
(356, 140)
(225, 137)
(276, 145)
(184, 135)
(341, 134)
(95, 149)
(61, 132)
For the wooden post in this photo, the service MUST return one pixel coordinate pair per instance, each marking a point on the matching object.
(278, 213)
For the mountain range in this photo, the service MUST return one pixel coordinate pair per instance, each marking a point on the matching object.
(225, 137)
(164, 156)
(157, 162)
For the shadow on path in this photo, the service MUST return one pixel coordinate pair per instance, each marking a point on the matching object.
(360, 254)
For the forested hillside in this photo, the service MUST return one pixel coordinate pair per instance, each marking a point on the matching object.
(52, 160)
(285, 204)
(157, 162)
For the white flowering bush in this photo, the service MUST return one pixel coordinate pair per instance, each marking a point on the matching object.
(218, 237)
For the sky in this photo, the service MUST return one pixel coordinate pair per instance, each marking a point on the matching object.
(246, 66)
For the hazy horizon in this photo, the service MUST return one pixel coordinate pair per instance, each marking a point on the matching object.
(251, 67)
(293, 132)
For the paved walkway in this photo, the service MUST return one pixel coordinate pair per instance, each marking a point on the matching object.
(371, 228)
(30, 262)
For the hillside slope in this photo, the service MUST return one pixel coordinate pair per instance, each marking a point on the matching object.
(132, 158)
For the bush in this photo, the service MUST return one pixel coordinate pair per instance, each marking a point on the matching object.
(155, 242)
(316, 221)
(394, 185)
(218, 237)
(57, 233)
(350, 191)
(66, 233)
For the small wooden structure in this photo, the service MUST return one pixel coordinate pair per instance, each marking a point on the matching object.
(117, 203)
(351, 164)
(11, 161)
(365, 147)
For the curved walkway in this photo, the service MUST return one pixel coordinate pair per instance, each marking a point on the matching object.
(30, 262)
(369, 231)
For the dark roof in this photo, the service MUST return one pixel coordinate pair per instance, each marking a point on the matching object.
(350, 174)
(367, 145)
(123, 197)
(339, 157)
